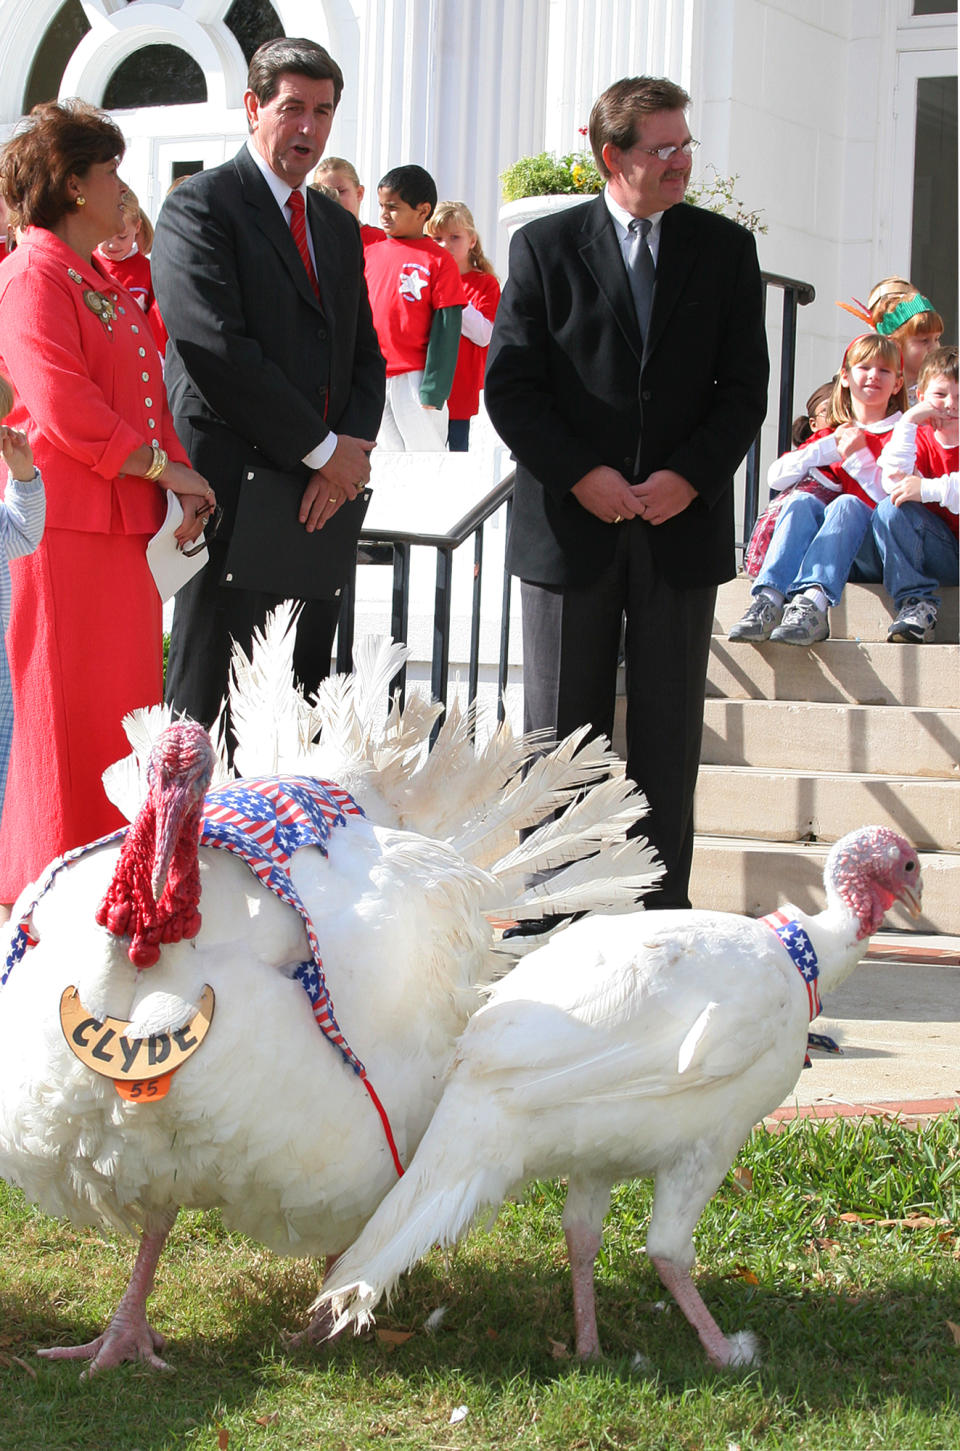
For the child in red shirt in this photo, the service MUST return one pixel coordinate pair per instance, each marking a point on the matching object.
(417, 300)
(341, 177)
(816, 541)
(125, 258)
(452, 226)
(914, 324)
(916, 528)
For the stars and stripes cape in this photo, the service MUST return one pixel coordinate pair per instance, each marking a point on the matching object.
(262, 821)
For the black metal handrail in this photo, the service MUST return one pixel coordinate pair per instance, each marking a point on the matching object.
(795, 294)
(402, 541)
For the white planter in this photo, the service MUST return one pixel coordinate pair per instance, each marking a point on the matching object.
(528, 208)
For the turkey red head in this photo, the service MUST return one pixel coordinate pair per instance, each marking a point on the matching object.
(178, 774)
(869, 870)
(155, 892)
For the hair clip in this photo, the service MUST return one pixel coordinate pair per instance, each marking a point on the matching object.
(860, 311)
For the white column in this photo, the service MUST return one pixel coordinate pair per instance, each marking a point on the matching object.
(490, 100)
(595, 42)
(456, 86)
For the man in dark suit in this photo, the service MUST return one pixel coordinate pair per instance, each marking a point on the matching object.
(628, 374)
(272, 356)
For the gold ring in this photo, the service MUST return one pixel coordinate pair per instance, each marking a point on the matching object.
(618, 519)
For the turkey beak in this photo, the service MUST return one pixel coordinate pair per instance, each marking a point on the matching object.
(910, 897)
(910, 894)
(171, 810)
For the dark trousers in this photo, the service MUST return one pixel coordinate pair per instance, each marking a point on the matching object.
(208, 617)
(458, 435)
(571, 641)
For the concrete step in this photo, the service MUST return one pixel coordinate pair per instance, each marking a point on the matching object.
(894, 740)
(864, 611)
(790, 806)
(732, 875)
(865, 672)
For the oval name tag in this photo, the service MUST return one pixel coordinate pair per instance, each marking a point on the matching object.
(104, 1045)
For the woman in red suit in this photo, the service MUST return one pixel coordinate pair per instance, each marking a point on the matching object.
(85, 641)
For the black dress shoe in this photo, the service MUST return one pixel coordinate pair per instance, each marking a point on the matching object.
(527, 927)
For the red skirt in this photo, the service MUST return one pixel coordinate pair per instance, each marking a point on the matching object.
(85, 647)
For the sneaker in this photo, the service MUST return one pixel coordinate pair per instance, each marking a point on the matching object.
(759, 620)
(914, 624)
(802, 624)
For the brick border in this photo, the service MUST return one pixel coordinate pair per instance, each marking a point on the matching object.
(902, 1108)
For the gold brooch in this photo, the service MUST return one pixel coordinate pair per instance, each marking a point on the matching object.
(97, 302)
(101, 305)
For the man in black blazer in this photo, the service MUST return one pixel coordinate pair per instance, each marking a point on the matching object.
(628, 375)
(272, 356)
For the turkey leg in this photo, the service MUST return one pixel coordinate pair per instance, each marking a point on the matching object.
(583, 1214)
(583, 1246)
(128, 1336)
(721, 1350)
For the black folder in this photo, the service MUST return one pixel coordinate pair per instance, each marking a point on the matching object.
(271, 550)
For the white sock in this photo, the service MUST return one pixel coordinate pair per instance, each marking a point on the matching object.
(816, 594)
(771, 594)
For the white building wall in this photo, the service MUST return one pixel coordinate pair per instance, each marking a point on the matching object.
(805, 99)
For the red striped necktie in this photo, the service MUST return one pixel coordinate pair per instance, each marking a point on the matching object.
(298, 226)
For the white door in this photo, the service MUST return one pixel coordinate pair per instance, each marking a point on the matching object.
(924, 213)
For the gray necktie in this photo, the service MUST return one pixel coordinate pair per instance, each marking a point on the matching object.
(641, 271)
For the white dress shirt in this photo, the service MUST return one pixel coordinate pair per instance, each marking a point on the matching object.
(281, 190)
(621, 221)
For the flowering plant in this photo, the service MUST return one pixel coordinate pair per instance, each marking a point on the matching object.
(550, 175)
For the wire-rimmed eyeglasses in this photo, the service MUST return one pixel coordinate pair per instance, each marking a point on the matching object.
(664, 153)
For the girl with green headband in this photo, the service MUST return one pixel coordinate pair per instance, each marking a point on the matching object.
(914, 323)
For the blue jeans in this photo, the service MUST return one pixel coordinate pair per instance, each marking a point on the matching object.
(819, 544)
(917, 548)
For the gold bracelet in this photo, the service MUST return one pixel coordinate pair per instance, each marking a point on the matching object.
(158, 463)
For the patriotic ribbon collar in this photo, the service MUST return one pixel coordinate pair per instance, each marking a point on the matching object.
(263, 822)
(802, 954)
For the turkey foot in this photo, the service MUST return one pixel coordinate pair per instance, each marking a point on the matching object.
(316, 1332)
(320, 1328)
(732, 1350)
(122, 1340)
(128, 1336)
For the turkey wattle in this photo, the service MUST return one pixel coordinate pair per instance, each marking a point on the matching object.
(262, 1115)
(628, 1047)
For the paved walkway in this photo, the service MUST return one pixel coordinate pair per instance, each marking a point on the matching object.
(897, 1019)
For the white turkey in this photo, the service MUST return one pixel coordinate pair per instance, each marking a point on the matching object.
(644, 1046)
(153, 1055)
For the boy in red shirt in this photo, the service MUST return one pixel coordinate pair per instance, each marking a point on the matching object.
(915, 529)
(417, 300)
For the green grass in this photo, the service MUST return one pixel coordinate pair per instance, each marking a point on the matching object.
(852, 1316)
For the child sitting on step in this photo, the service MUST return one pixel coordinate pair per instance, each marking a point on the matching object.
(915, 527)
(816, 541)
(911, 321)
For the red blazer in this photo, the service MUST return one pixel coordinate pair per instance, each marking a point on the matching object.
(87, 394)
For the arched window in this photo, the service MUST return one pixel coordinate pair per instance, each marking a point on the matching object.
(252, 23)
(61, 38)
(157, 75)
